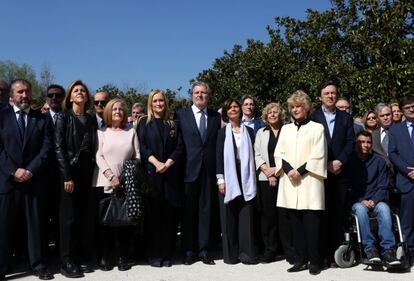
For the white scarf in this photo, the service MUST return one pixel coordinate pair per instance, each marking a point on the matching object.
(247, 165)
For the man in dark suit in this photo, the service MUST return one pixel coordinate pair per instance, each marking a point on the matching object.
(198, 127)
(54, 97)
(340, 137)
(380, 136)
(25, 146)
(401, 154)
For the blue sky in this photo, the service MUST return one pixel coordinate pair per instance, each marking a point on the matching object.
(134, 43)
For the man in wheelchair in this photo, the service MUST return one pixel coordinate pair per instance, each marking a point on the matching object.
(370, 194)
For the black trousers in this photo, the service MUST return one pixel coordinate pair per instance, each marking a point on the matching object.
(159, 228)
(238, 233)
(407, 218)
(112, 240)
(337, 209)
(275, 225)
(197, 214)
(306, 226)
(77, 215)
(21, 198)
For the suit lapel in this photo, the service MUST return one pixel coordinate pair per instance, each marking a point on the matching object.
(210, 122)
(193, 123)
(322, 120)
(15, 129)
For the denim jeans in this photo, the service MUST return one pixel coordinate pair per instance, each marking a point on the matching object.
(383, 214)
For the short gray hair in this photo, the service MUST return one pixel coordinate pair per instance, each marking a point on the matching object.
(380, 106)
(201, 84)
(138, 104)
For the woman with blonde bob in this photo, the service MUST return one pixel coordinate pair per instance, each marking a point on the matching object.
(116, 144)
(158, 143)
(274, 222)
(301, 163)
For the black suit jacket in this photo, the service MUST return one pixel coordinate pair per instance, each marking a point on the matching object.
(342, 143)
(32, 154)
(196, 153)
(163, 146)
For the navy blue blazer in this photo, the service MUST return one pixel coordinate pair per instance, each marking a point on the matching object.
(196, 153)
(342, 143)
(163, 146)
(31, 154)
(401, 154)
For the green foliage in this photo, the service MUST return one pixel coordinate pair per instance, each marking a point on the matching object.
(364, 45)
(10, 71)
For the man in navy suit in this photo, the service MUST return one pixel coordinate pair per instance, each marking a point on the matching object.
(25, 146)
(340, 137)
(198, 127)
(401, 154)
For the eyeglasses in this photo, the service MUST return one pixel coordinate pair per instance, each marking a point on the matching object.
(55, 95)
(371, 118)
(101, 103)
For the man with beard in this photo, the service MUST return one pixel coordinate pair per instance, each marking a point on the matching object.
(25, 146)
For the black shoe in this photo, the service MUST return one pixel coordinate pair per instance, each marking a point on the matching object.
(85, 268)
(123, 264)
(167, 263)
(70, 270)
(43, 273)
(189, 260)
(104, 264)
(156, 263)
(390, 258)
(206, 259)
(314, 269)
(298, 267)
(372, 255)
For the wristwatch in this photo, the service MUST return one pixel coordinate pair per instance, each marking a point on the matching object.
(110, 177)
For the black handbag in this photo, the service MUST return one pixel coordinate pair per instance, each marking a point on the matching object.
(113, 211)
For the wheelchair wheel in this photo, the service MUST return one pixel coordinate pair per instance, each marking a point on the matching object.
(344, 256)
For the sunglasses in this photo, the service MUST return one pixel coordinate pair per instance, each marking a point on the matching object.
(371, 118)
(100, 103)
(58, 96)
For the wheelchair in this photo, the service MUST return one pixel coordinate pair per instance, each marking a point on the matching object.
(351, 252)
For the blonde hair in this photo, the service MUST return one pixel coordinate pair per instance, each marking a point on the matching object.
(300, 97)
(270, 106)
(149, 105)
(107, 114)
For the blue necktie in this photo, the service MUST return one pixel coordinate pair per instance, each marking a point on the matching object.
(21, 123)
(202, 127)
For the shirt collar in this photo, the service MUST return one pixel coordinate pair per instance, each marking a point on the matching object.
(328, 112)
(197, 110)
(16, 109)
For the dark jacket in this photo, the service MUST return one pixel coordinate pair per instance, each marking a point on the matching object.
(163, 146)
(69, 134)
(32, 154)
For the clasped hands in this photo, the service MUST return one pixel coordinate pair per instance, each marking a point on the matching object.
(22, 175)
(335, 167)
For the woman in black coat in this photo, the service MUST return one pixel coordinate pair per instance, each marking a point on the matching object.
(158, 141)
(75, 144)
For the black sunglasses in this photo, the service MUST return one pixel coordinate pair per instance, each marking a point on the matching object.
(100, 102)
(56, 95)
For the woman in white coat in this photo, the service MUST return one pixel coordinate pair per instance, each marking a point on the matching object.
(301, 159)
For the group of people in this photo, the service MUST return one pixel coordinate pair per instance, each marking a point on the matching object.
(268, 189)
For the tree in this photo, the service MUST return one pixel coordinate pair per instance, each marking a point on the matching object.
(366, 46)
(46, 77)
(10, 71)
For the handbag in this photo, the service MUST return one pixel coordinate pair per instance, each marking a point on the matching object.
(113, 211)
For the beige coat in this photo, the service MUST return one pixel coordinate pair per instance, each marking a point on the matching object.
(306, 145)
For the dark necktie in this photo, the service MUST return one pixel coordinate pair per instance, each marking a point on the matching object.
(21, 123)
(384, 142)
(202, 127)
(412, 134)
